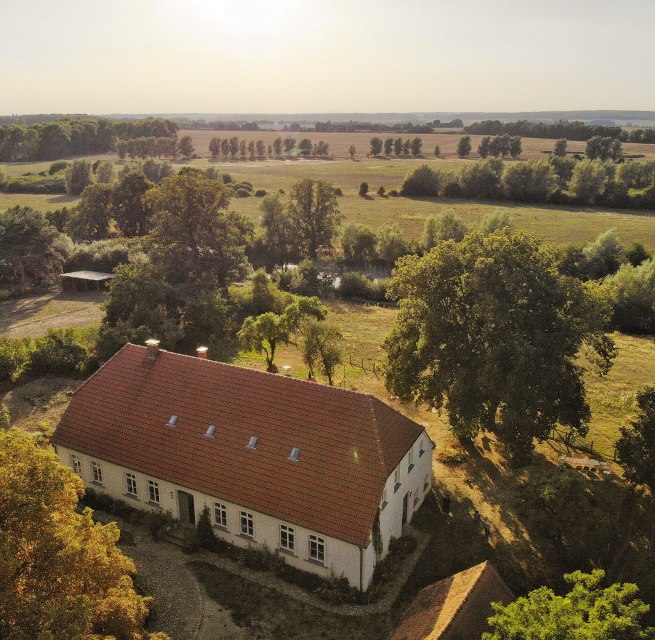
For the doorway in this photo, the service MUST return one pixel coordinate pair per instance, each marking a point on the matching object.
(187, 508)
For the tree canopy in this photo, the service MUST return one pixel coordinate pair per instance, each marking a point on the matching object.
(489, 329)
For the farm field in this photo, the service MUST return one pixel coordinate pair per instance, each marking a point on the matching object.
(447, 141)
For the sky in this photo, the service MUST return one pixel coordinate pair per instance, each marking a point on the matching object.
(322, 56)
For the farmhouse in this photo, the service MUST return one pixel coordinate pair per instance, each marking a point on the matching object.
(324, 475)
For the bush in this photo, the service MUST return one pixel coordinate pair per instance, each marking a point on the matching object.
(423, 182)
(363, 189)
(337, 191)
(60, 351)
(14, 355)
(242, 193)
(227, 178)
(529, 181)
(205, 536)
(78, 177)
(481, 179)
(451, 190)
(57, 166)
(394, 193)
(357, 285)
(632, 293)
(34, 184)
(260, 193)
(103, 255)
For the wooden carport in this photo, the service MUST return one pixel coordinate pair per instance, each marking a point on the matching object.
(88, 279)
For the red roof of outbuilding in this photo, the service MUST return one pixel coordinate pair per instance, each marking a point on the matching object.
(349, 442)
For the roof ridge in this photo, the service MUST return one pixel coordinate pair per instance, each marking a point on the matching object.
(483, 568)
(206, 361)
(378, 440)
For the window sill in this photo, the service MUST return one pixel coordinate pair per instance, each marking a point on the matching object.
(154, 504)
(245, 536)
(396, 487)
(287, 552)
(409, 469)
(131, 496)
(220, 527)
(98, 484)
(383, 505)
(318, 563)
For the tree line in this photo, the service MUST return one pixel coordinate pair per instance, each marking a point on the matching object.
(64, 138)
(232, 148)
(563, 129)
(395, 146)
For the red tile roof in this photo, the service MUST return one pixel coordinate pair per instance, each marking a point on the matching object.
(349, 442)
(456, 608)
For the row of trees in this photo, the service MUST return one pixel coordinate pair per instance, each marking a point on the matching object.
(564, 129)
(154, 147)
(235, 148)
(64, 138)
(395, 146)
(498, 146)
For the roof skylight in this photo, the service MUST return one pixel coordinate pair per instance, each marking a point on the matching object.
(210, 431)
(252, 443)
(293, 456)
(172, 421)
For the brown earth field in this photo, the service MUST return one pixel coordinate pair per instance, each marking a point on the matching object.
(447, 141)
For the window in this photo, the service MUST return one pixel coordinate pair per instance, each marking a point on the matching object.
(410, 460)
(426, 484)
(317, 549)
(153, 491)
(422, 445)
(287, 537)
(76, 464)
(384, 499)
(396, 480)
(247, 528)
(97, 472)
(130, 479)
(220, 515)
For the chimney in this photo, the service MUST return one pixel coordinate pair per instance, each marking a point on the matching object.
(287, 370)
(152, 347)
(202, 353)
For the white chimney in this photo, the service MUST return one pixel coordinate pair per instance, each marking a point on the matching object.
(202, 353)
(287, 370)
(152, 349)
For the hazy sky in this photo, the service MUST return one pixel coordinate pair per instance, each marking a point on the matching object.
(132, 56)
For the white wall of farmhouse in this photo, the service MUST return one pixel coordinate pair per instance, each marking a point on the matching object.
(341, 558)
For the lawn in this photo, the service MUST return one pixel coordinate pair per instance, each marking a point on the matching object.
(41, 202)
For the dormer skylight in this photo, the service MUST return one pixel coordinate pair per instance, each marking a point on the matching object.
(210, 431)
(252, 443)
(293, 456)
(172, 421)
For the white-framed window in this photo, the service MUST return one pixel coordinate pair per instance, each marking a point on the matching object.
(153, 491)
(384, 499)
(247, 527)
(220, 515)
(396, 480)
(96, 470)
(410, 460)
(287, 537)
(76, 464)
(130, 481)
(317, 549)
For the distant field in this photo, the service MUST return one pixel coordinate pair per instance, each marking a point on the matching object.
(340, 142)
(40, 202)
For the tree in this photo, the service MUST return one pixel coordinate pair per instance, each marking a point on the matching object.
(305, 147)
(289, 145)
(376, 146)
(391, 244)
(422, 182)
(105, 172)
(280, 237)
(234, 146)
(352, 151)
(62, 575)
(32, 251)
(225, 147)
(277, 146)
(481, 179)
(131, 212)
(637, 253)
(358, 243)
(464, 147)
(437, 150)
(484, 147)
(186, 146)
(417, 144)
(560, 147)
(195, 239)
(261, 148)
(321, 347)
(407, 146)
(242, 148)
(529, 181)
(388, 146)
(93, 214)
(398, 147)
(588, 611)
(363, 189)
(603, 255)
(616, 150)
(515, 146)
(215, 147)
(495, 221)
(636, 446)
(441, 228)
(489, 330)
(78, 177)
(315, 214)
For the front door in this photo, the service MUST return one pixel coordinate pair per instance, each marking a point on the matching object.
(187, 509)
(405, 506)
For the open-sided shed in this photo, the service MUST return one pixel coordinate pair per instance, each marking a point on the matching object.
(77, 280)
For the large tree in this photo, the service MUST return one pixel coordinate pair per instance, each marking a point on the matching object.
(489, 329)
(464, 147)
(93, 214)
(588, 612)
(315, 214)
(321, 347)
(130, 210)
(280, 237)
(61, 574)
(636, 446)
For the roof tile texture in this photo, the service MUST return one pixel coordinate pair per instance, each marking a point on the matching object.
(349, 442)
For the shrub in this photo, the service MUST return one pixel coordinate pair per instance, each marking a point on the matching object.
(205, 536)
(452, 455)
(382, 191)
(78, 177)
(34, 184)
(422, 182)
(57, 166)
(337, 191)
(394, 193)
(529, 181)
(227, 178)
(242, 193)
(60, 351)
(260, 193)
(632, 293)
(363, 189)
(357, 285)
(103, 255)
(481, 179)
(14, 355)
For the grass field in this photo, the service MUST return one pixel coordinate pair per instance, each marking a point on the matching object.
(40, 202)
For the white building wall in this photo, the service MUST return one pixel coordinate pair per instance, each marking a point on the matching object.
(341, 558)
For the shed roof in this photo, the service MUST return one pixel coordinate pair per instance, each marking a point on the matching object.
(88, 275)
(349, 442)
